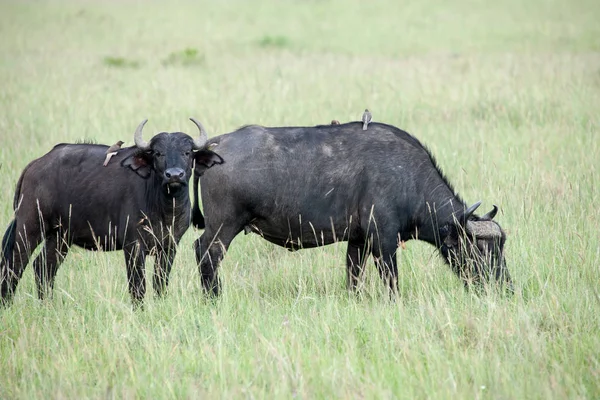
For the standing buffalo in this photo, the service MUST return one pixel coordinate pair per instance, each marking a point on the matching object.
(302, 187)
(138, 203)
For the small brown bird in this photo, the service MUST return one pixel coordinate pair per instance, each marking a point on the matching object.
(366, 119)
(335, 122)
(112, 151)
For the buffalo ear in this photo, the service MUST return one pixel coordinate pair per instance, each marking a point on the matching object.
(140, 162)
(206, 159)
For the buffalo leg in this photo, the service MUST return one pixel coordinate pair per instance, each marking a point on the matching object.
(18, 244)
(507, 281)
(209, 253)
(47, 262)
(210, 250)
(384, 253)
(355, 262)
(134, 259)
(162, 270)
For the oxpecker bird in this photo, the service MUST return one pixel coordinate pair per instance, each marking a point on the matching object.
(112, 151)
(335, 122)
(366, 119)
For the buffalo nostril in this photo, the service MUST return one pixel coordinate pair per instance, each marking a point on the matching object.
(174, 173)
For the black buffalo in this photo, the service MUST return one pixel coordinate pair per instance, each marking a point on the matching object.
(302, 187)
(139, 203)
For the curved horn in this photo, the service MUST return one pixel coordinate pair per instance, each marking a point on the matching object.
(490, 215)
(137, 137)
(470, 211)
(201, 140)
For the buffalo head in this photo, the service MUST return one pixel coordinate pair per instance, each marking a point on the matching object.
(474, 247)
(171, 157)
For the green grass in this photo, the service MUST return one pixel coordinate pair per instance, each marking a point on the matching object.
(507, 96)
(187, 57)
(274, 41)
(120, 62)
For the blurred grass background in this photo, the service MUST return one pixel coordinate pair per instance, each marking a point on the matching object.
(506, 94)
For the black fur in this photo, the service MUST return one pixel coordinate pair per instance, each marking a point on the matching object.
(302, 187)
(138, 203)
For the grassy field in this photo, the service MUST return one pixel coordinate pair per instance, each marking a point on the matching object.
(505, 93)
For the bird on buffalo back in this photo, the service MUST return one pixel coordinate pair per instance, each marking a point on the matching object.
(112, 151)
(366, 119)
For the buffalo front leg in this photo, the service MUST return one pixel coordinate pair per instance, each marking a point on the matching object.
(355, 263)
(162, 270)
(47, 262)
(384, 253)
(134, 259)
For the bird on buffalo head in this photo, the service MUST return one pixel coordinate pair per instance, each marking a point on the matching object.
(335, 122)
(366, 119)
(112, 151)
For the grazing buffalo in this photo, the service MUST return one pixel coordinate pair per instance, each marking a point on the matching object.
(138, 203)
(302, 187)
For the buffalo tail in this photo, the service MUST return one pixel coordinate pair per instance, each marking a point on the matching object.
(8, 245)
(197, 217)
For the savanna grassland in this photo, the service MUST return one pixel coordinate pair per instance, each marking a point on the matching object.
(505, 93)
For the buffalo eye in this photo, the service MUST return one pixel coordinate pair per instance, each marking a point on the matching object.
(187, 153)
(444, 231)
(158, 154)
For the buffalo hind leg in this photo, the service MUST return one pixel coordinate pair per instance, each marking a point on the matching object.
(134, 259)
(17, 245)
(384, 253)
(47, 262)
(210, 250)
(355, 263)
(209, 254)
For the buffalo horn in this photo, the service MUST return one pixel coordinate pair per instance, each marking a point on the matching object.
(137, 137)
(470, 211)
(490, 215)
(201, 140)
